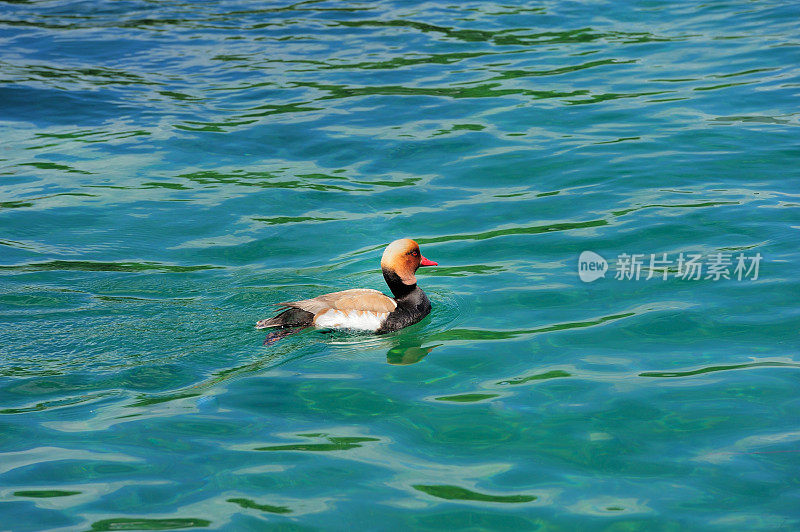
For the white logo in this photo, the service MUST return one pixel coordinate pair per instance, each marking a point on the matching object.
(591, 266)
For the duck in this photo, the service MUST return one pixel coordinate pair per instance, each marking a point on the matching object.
(365, 309)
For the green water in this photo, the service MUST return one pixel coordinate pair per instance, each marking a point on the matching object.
(169, 170)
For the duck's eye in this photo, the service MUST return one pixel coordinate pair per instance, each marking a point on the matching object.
(415, 253)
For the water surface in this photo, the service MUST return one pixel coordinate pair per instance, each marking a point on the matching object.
(171, 169)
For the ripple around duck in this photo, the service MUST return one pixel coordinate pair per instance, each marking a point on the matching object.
(487, 335)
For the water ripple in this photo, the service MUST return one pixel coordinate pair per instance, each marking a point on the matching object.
(171, 169)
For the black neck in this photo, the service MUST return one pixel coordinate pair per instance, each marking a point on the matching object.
(396, 285)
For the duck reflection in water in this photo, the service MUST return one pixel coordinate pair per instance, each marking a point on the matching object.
(408, 351)
(401, 349)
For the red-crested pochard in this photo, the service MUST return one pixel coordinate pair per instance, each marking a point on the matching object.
(363, 308)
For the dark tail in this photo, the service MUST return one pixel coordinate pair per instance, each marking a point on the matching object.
(280, 334)
(291, 317)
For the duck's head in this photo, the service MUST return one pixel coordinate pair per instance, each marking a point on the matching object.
(401, 259)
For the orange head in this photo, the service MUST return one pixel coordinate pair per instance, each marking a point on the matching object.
(402, 257)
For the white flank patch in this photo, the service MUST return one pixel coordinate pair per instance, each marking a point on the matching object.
(359, 320)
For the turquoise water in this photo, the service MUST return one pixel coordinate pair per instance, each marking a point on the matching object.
(171, 169)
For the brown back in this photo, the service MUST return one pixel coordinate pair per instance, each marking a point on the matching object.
(358, 299)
